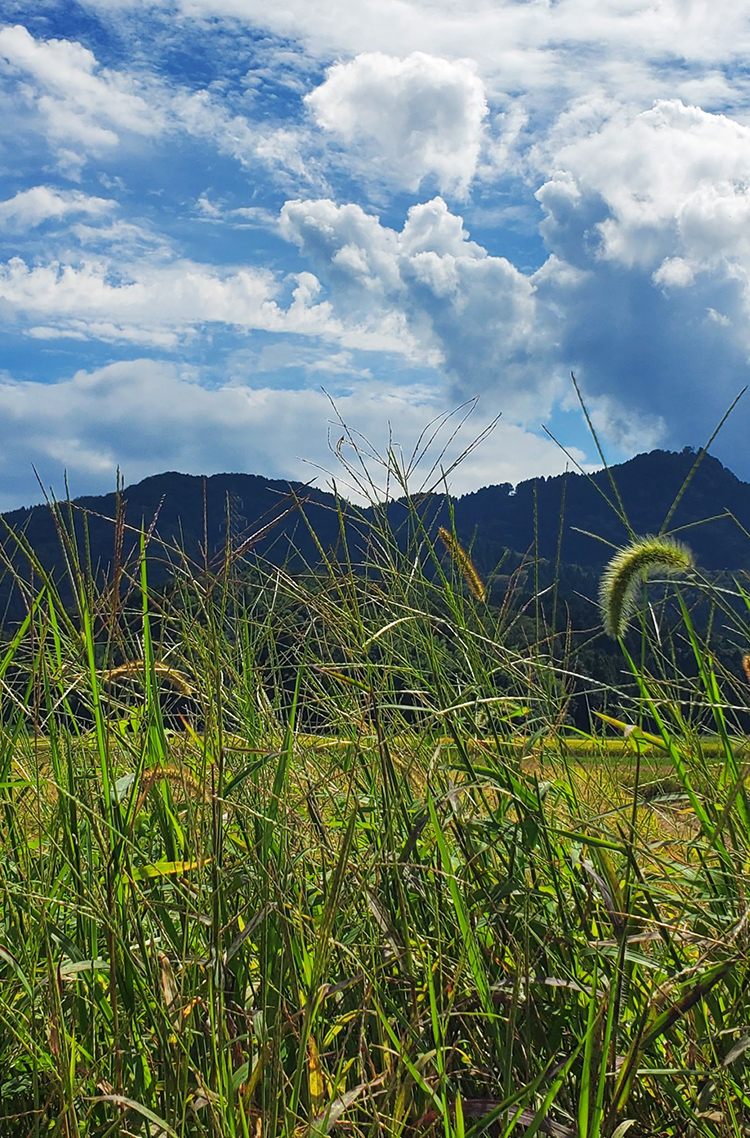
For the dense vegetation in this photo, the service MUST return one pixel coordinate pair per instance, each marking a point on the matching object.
(301, 852)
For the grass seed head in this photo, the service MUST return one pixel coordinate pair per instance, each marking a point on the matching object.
(133, 670)
(464, 563)
(628, 569)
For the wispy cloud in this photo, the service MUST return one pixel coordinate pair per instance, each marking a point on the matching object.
(79, 102)
(30, 208)
(573, 45)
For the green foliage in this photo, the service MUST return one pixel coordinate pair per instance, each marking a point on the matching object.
(297, 853)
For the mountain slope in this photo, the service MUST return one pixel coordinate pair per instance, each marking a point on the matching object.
(647, 484)
(186, 514)
(195, 513)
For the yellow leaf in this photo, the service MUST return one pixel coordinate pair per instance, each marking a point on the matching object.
(630, 731)
(317, 1079)
(163, 869)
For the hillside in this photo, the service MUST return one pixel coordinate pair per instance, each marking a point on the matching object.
(185, 515)
(194, 514)
(648, 484)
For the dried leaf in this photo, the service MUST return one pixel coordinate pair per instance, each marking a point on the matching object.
(317, 1078)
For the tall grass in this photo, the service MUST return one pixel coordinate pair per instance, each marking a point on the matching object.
(299, 854)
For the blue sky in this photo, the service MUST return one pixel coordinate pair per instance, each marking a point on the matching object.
(226, 223)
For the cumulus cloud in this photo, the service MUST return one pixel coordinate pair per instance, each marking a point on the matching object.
(674, 181)
(126, 413)
(645, 294)
(421, 116)
(647, 219)
(474, 313)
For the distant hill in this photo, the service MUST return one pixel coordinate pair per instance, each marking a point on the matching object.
(648, 484)
(196, 513)
(182, 512)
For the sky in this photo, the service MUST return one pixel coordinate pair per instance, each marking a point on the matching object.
(233, 233)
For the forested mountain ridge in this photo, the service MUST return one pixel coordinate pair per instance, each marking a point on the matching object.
(647, 485)
(195, 514)
(185, 516)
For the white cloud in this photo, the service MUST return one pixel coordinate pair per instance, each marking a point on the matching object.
(674, 272)
(164, 301)
(247, 217)
(200, 115)
(420, 116)
(284, 150)
(85, 109)
(284, 355)
(475, 313)
(29, 208)
(675, 181)
(151, 303)
(631, 430)
(660, 199)
(544, 46)
(79, 102)
(647, 218)
(145, 416)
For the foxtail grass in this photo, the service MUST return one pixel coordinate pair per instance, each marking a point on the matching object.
(347, 865)
(628, 569)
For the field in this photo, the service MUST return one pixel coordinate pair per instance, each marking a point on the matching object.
(307, 854)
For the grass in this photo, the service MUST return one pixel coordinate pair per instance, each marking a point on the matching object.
(320, 853)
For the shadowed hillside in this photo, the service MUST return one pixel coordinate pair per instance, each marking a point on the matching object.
(289, 523)
(648, 484)
(185, 515)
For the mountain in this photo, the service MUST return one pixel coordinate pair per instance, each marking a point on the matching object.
(195, 513)
(185, 515)
(503, 517)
